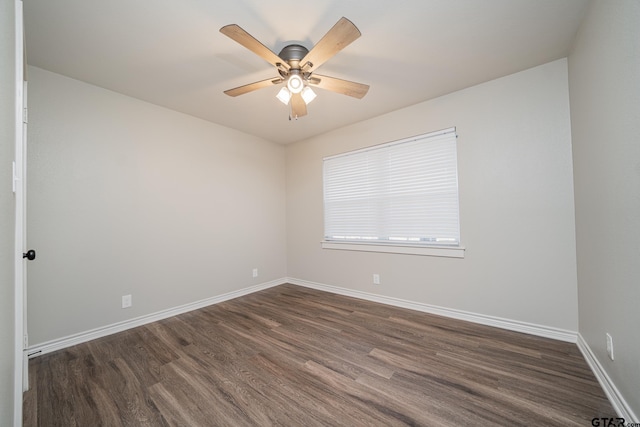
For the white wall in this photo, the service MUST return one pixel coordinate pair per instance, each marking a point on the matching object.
(604, 77)
(129, 198)
(516, 204)
(7, 217)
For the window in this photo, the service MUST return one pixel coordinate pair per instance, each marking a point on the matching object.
(402, 193)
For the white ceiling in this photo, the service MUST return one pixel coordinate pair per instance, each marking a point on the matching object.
(170, 52)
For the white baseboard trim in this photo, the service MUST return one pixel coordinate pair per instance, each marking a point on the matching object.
(618, 402)
(71, 340)
(498, 322)
(615, 397)
(513, 325)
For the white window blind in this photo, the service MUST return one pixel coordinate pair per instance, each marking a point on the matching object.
(402, 192)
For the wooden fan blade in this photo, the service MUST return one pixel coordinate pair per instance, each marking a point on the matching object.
(239, 35)
(241, 90)
(298, 106)
(336, 39)
(345, 87)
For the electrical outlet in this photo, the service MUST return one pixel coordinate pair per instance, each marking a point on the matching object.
(126, 301)
(610, 346)
(376, 279)
(255, 272)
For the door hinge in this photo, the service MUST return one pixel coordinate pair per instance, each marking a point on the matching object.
(25, 115)
(25, 342)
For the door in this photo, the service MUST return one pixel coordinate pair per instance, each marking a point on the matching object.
(27, 254)
(21, 382)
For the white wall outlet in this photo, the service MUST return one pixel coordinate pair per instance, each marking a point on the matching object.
(255, 272)
(610, 346)
(126, 301)
(376, 279)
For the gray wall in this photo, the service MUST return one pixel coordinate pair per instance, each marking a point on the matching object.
(7, 106)
(604, 78)
(129, 198)
(516, 204)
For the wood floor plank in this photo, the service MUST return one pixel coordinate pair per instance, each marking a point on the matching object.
(295, 356)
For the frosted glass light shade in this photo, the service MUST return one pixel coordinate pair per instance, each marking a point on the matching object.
(308, 95)
(284, 95)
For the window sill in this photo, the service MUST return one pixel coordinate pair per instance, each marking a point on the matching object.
(440, 251)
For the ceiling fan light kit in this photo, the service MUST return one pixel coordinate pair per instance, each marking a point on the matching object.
(296, 65)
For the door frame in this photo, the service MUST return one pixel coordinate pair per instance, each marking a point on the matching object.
(18, 188)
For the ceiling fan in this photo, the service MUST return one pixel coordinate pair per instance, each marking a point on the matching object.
(296, 66)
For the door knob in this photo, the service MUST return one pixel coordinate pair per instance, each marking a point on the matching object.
(30, 255)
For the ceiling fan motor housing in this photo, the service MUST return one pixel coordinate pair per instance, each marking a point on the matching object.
(292, 54)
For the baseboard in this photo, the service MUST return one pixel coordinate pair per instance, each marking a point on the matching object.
(610, 389)
(512, 325)
(71, 340)
(618, 402)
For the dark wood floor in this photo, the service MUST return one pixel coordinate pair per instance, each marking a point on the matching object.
(298, 357)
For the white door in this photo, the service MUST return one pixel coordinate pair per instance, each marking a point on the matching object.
(21, 382)
(27, 254)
